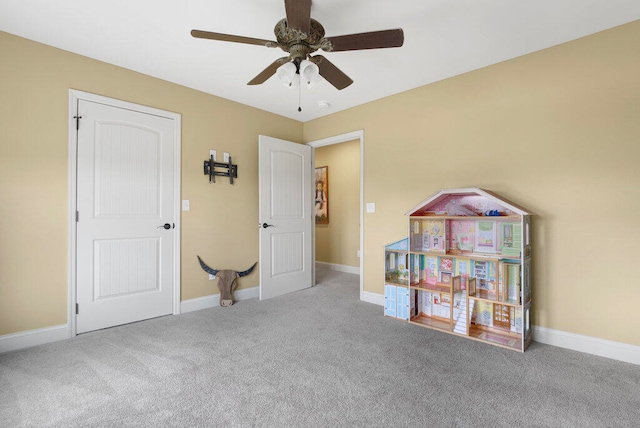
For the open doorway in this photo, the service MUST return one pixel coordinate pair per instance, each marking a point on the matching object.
(338, 242)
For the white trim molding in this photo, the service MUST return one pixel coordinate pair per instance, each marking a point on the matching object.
(375, 298)
(339, 268)
(343, 138)
(576, 342)
(590, 345)
(213, 300)
(29, 338)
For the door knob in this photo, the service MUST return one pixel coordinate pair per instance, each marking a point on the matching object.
(166, 226)
(265, 225)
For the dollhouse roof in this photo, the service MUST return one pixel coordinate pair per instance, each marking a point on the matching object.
(473, 198)
(401, 245)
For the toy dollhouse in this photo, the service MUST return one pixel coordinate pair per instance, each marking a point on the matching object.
(466, 268)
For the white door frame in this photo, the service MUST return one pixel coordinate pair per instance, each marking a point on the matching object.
(343, 138)
(74, 96)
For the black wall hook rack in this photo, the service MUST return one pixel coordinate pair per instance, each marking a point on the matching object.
(228, 169)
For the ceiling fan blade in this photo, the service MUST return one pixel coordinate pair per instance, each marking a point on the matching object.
(269, 71)
(371, 40)
(298, 14)
(231, 38)
(331, 73)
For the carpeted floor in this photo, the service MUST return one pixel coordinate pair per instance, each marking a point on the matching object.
(315, 358)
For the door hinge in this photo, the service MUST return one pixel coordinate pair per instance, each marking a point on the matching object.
(77, 216)
(77, 308)
(77, 118)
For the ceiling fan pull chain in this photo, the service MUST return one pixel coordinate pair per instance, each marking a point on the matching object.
(300, 94)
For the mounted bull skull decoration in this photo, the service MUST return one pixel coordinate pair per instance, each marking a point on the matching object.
(227, 281)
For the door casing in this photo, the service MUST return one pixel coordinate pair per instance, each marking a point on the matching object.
(74, 96)
(343, 138)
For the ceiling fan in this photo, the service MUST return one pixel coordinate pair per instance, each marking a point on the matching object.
(299, 35)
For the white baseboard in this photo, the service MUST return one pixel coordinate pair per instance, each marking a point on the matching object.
(213, 300)
(27, 339)
(590, 345)
(576, 342)
(375, 298)
(339, 268)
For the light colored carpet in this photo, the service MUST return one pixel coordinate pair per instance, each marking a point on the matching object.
(315, 358)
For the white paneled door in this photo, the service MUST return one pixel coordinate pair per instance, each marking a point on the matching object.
(126, 208)
(286, 217)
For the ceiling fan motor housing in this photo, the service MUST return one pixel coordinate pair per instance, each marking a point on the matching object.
(298, 44)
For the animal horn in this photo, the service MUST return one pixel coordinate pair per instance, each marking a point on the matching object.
(206, 268)
(248, 271)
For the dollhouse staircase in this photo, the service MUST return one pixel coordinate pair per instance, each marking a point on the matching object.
(460, 322)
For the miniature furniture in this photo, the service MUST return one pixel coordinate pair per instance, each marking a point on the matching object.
(465, 268)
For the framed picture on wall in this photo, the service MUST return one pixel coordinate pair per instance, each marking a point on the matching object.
(322, 195)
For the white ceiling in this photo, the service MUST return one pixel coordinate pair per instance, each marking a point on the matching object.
(443, 38)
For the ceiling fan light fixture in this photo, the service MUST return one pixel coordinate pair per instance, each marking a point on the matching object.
(309, 73)
(287, 75)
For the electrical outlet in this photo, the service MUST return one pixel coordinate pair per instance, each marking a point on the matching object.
(212, 153)
(371, 207)
(226, 157)
(211, 277)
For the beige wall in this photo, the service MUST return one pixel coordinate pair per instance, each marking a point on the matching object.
(338, 241)
(34, 84)
(557, 132)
